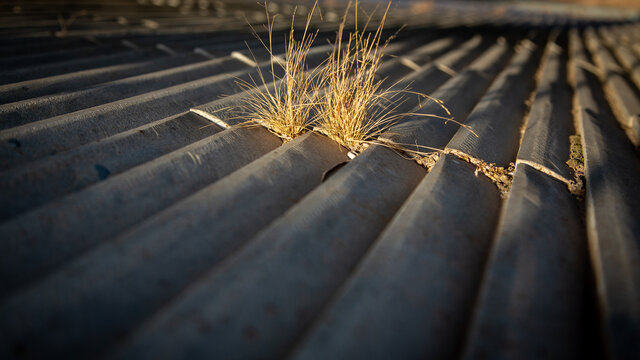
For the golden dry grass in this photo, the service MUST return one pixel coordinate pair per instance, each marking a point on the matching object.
(284, 104)
(357, 106)
(342, 98)
(355, 109)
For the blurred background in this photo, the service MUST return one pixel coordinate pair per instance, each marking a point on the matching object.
(232, 14)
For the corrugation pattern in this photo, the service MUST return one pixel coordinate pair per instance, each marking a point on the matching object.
(137, 221)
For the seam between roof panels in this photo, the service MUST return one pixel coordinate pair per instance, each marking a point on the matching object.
(203, 52)
(243, 58)
(165, 48)
(409, 63)
(130, 44)
(501, 177)
(214, 119)
(445, 69)
(545, 170)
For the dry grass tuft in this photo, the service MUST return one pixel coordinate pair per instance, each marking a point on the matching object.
(284, 103)
(355, 110)
(343, 97)
(357, 107)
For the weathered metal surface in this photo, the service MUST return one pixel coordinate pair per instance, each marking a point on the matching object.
(621, 93)
(411, 296)
(625, 55)
(545, 143)
(49, 136)
(416, 58)
(431, 76)
(14, 48)
(459, 95)
(436, 72)
(47, 236)
(532, 299)
(276, 284)
(148, 257)
(58, 68)
(130, 231)
(80, 79)
(12, 62)
(497, 118)
(44, 180)
(611, 210)
(31, 110)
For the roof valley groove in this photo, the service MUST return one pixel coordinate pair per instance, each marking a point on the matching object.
(132, 192)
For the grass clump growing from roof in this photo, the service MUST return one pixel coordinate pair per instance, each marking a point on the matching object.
(357, 105)
(343, 98)
(284, 103)
(355, 109)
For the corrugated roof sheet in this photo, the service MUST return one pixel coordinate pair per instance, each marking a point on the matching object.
(137, 221)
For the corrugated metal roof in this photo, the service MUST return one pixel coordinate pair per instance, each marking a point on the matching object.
(138, 221)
